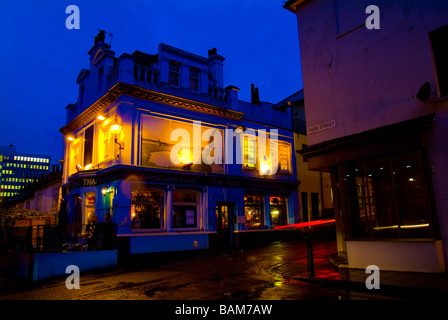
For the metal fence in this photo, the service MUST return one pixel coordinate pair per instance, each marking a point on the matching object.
(47, 239)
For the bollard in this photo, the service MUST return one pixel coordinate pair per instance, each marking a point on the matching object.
(309, 250)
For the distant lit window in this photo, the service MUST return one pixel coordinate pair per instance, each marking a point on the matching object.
(174, 73)
(194, 79)
(279, 212)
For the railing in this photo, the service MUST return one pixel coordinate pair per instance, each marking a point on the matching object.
(146, 74)
(47, 239)
(219, 94)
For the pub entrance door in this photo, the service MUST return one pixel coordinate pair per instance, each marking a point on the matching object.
(224, 215)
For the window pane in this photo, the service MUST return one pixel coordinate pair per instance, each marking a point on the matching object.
(283, 157)
(146, 209)
(253, 211)
(184, 216)
(384, 208)
(194, 84)
(407, 172)
(88, 146)
(174, 79)
(279, 213)
(185, 209)
(414, 216)
(357, 192)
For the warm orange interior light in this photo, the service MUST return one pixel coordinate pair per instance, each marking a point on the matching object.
(115, 128)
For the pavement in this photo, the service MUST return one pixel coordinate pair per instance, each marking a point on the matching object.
(286, 262)
(330, 270)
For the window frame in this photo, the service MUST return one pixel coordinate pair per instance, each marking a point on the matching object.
(196, 79)
(162, 204)
(174, 72)
(399, 229)
(196, 204)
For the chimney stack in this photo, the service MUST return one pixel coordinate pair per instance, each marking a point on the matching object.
(255, 97)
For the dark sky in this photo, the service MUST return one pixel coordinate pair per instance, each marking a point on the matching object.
(40, 58)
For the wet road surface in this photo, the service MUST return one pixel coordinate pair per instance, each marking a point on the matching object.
(268, 273)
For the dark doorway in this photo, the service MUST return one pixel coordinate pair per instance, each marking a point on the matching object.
(305, 206)
(224, 215)
(314, 206)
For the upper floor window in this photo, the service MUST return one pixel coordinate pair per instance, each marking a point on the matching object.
(105, 141)
(284, 157)
(439, 39)
(249, 151)
(88, 146)
(194, 79)
(174, 73)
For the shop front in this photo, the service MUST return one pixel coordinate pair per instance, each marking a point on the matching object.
(161, 211)
(385, 205)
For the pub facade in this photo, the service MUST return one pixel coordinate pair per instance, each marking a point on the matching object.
(156, 145)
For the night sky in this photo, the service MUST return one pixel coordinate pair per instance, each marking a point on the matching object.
(40, 58)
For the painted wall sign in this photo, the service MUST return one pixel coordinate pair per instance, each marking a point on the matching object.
(321, 126)
(89, 182)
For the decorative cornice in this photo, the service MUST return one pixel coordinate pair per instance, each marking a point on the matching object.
(121, 88)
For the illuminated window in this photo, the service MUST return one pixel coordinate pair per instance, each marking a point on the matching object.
(185, 208)
(194, 79)
(105, 142)
(74, 155)
(279, 211)
(253, 209)
(284, 157)
(89, 207)
(147, 209)
(174, 73)
(249, 151)
(88, 146)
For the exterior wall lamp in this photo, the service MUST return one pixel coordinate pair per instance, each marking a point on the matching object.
(115, 129)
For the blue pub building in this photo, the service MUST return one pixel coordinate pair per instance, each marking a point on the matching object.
(120, 165)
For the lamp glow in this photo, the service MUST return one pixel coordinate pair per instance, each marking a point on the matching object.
(264, 167)
(101, 117)
(70, 138)
(115, 127)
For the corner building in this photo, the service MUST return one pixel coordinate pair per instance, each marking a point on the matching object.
(120, 137)
(377, 120)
